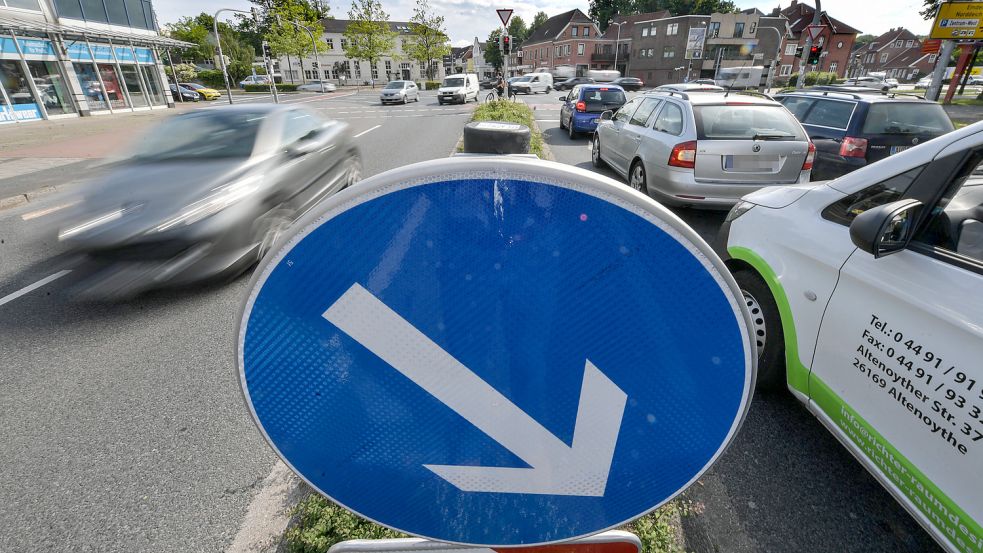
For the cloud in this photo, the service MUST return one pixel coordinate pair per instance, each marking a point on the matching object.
(462, 43)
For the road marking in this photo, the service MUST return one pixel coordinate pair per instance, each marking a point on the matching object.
(268, 512)
(43, 212)
(367, 131)
(27, 289)
(24, 166)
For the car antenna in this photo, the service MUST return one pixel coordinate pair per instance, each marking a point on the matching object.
(734, 80)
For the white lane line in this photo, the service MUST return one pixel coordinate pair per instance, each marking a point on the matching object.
(27, 289)
(367, 131)
(43, 212)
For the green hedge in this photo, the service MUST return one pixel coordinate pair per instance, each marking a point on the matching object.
(282, 87)
(211, 78)
(512, 112)
(814, 78)
(429, 85)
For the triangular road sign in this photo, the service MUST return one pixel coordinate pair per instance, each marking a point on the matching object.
(504, 15)
(814, 31)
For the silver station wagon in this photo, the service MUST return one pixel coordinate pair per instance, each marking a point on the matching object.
(703, 149)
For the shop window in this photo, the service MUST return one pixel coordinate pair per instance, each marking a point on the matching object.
(133, 85)
(69, 8)
(51, 87)
(94, 10)
(89, 82)
(24, 107)
(114, 88)
(117, 12)
(152, 77)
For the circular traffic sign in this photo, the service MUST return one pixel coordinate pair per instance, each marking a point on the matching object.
(495, 351)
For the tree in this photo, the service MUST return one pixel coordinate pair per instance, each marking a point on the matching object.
(682, 7)
(368, 34)
(931, 8)
(428, 45)
(198, 30)
(517, 28)
(492, 54)
(863, 40)
(286, 38)
(537, 21)
(603, 11)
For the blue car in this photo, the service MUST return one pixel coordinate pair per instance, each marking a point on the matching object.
(584, 104)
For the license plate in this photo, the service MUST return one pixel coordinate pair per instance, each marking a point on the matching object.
(593, 120)
(896, 149)
(750, 164)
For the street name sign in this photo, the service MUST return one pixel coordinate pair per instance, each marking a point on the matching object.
(504, 15)
(495, 351)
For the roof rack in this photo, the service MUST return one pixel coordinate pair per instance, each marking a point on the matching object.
(754, 93)
(893, 94)
(682, 95)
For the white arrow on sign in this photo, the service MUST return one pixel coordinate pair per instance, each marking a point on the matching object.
(504, 15)
(556, 468)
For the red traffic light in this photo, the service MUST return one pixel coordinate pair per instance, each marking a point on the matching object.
(814, 49)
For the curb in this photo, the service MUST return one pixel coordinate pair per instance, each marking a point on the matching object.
(18, 200)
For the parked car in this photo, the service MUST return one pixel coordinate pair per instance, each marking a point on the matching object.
(255, 79)
(187, 94)
(461, 87)
(315, 86)
(488, 83)
(851, 128)
(975, 80)
(869, 82)
(691, 87)
(399, 92)
(584, 104)
(533, 83)
(924, 82)
(892, 83)
(629, 83)
(572, 82)
(246, 172)
(704, 81)
(603, 75)
(205, 92)
(705, 149)
(864, 294)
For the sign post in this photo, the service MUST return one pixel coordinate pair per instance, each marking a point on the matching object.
(507, 352)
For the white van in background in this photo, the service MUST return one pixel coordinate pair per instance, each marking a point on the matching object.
(603, 75)
(461, 87)
(533, 83)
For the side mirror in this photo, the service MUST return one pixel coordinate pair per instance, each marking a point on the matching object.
(563, 98)
(885, 229)
(311, 142)
(607, 115)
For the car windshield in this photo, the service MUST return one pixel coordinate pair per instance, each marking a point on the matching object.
(522, 80)
(604, 97)
(399, 84)
(906, 118)
(192, 85)
(746, 122)
(216, 134)
(457, 81)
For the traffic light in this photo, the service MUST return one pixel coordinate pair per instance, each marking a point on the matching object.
(814, 54)
(255, 13)
(506, 45)
(267, 51)
(314, 65)
(798, 51)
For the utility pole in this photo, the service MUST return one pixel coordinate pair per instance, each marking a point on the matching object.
(617, 44)
(218, 42)
(816, 20)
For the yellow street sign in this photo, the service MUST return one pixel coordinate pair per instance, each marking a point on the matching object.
(958, 20)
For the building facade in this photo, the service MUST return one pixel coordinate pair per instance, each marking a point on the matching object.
(333, 65)
(70, 58)
(836, 39)
(615, 52)
(896, 53)
(563, 44)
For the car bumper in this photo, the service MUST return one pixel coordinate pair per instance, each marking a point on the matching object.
(451, 97)
(385, 99)
(585, 123)
(678, 187)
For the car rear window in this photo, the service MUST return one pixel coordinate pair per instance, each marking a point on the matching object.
(746, 122)
(906, 118)
(600, 96)
(830, 113)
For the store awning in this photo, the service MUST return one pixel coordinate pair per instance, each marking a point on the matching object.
(21, 26)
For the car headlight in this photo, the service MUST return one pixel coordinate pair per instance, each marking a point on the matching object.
(220, 198)
(740, 208)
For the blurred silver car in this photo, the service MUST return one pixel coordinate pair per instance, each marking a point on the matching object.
(205, 194)
(315, 86)
(707, 149)
(399, 91)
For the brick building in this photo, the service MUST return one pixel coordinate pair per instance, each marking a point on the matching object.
(568, 39)
(619, 35)
(896, 53)
(836, 40)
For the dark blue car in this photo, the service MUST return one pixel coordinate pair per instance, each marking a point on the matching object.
(584, 104)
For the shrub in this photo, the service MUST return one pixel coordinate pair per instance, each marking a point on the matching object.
(280, 87)
(430, 85)
(512, 112)
(211, 78)
(813, 78)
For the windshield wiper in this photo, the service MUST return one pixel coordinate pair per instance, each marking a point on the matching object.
(760, 136)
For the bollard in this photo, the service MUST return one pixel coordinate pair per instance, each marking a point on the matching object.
(496, 137)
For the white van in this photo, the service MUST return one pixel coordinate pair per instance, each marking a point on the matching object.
(603, 75)
(533, 83)
(458, 88)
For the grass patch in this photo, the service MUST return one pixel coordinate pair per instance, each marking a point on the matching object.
(322, 524)
(967, 102)
(512, 112)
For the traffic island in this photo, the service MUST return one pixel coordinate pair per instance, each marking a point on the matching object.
(512, 112)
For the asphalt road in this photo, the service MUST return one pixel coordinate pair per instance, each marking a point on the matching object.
(785, 484)
(123, 425)
(124, 428)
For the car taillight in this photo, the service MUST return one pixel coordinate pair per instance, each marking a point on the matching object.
(853, 147)
(810, 158)
(683, 155)
(581, 106)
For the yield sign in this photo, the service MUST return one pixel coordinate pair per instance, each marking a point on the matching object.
(814, 31)
(504, 15)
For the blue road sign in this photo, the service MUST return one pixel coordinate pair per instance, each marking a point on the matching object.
(494, 351)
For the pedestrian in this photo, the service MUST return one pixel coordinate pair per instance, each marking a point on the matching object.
(499, 85)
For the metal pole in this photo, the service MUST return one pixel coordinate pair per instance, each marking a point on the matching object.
(774, 62)
(617, 43)
(221, 58)
(314, 45)
(940, 64)
(177, 85)
(816, 19)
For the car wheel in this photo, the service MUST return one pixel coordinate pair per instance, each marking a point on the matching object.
(548, 89)
(766, 329)
(572, 133)
(353, 173)
(562, 126)
(440, 102)
(636, 177)
(595, 152)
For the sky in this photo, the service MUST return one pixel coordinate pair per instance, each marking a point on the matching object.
(467, 19)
